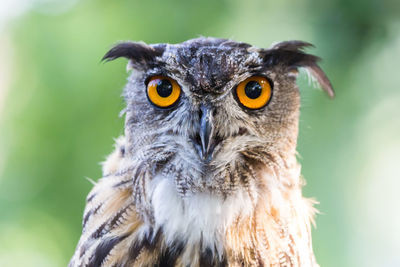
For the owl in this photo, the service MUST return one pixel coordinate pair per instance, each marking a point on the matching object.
(206, 171)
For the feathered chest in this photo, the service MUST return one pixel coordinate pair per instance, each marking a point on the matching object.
(198, 229)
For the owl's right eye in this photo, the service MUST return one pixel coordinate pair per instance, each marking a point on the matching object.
(163, 91)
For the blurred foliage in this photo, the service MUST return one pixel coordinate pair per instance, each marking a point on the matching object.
(61, 113)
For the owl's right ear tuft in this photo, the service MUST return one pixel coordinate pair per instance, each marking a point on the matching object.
(137, 52)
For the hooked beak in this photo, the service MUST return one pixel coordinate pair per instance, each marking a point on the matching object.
(206, 133)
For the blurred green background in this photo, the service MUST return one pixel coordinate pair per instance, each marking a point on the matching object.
(59, 113)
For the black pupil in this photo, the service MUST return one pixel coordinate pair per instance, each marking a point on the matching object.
(164, 88)
(253, 89)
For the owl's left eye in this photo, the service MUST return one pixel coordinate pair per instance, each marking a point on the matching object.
(254, 92)
(163, 91)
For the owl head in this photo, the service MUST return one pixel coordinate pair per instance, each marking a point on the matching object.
(210, 113)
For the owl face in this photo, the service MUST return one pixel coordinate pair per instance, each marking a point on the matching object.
(209, 112)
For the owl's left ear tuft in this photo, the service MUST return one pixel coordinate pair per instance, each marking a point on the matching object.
(291, 54)
(137, 52)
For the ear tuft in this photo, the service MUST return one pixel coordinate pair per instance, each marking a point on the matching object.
(321, 78)
(294, 45)
(291, 54)
(138, 52)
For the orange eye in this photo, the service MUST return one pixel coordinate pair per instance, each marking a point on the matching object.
(254, 92)
(163, 91)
